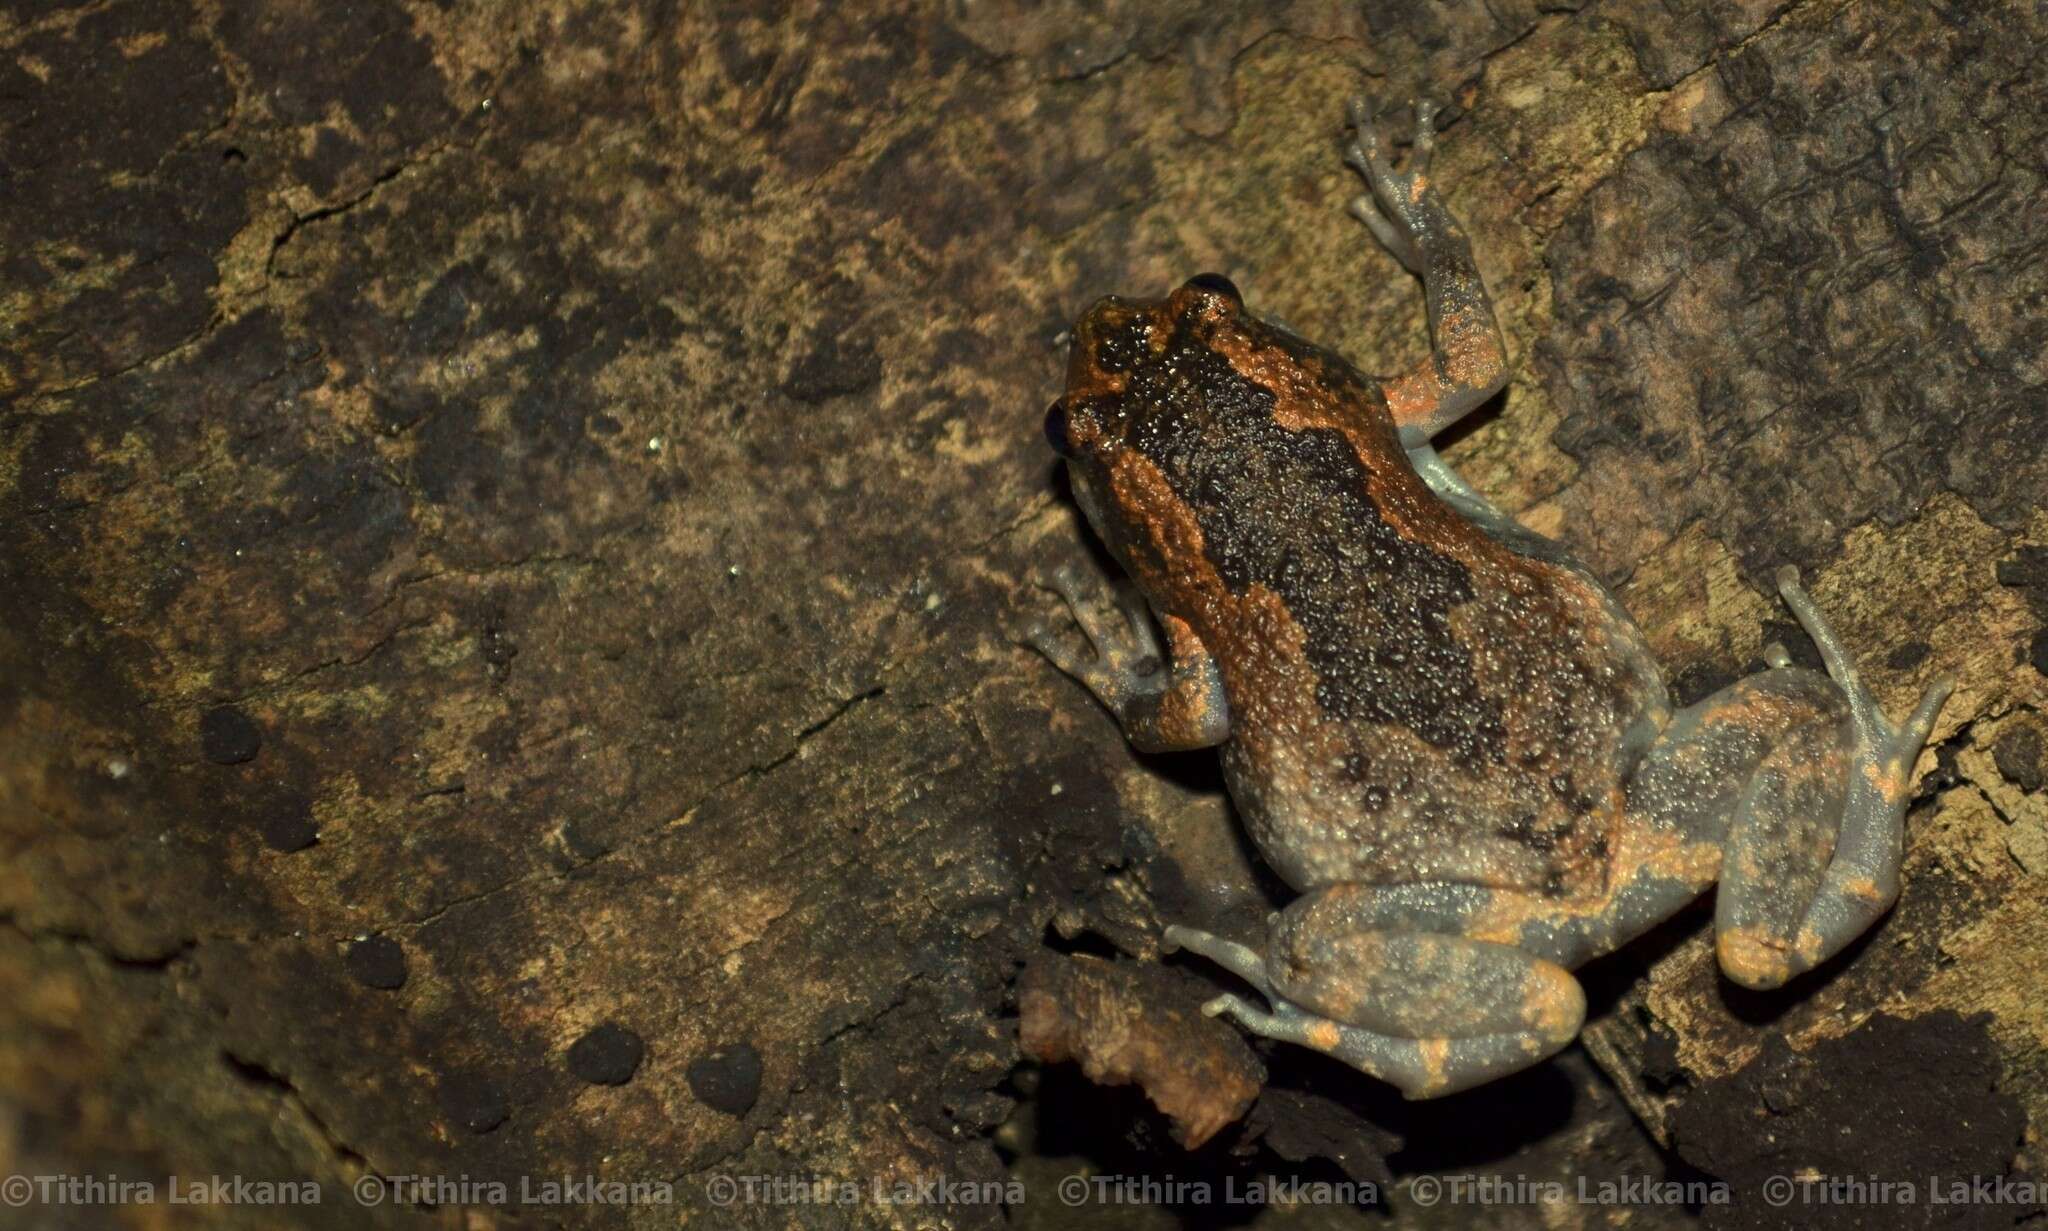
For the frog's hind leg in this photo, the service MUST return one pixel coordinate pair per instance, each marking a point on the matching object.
(1775, 917)
(1430, 1013)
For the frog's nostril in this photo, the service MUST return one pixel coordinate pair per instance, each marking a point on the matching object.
(1056, 428)
(1217, 284)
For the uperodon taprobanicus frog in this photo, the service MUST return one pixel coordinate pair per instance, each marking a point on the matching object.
(1437, 726)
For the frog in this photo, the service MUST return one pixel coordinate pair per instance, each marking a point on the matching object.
(1438, 727)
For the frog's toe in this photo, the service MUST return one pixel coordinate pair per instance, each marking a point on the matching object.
(1243, 961)
(1144, 642)
(1041, 637)
(1753, 957)
(1391, 237)
(1359, 111)
(1122, 647)
(1424, 138)
(1419, 1068)
(1237, 1009)
(1920, 723)
(1067, 581)
(1834, 651)
(1901, 742)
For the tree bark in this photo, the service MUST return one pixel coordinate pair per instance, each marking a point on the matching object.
(517, 519)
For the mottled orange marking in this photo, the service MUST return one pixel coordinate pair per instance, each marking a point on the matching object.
(1149, 500)
(1413, 398)
(1324, 1036)
(1186, 708)
(1555, 1006)
(1435, 1055)
(1886, 780)
(1753, 958)
(1470, 346)
(1636, 850)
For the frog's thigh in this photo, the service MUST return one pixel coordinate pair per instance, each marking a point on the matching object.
(1433, 1011)
(1346, 953)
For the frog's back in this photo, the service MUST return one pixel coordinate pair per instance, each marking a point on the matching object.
(1410, 699)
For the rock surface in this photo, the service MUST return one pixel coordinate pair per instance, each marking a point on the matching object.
(552, 487)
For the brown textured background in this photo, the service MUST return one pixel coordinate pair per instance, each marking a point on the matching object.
(552, 486)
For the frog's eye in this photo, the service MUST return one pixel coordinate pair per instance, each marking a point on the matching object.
(1056, 429)
(1217, 284)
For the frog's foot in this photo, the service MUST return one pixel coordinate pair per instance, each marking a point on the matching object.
(1419, 1068)
(1126, 653)
(1482, 1040)
(1395, 209)
(1775, 919)
(1161, 706)
(1895, 748)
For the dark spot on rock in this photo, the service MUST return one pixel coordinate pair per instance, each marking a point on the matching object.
(2017, 753)
(58, 447)
(2027, 571)
(331, 158)
(376, 961)
(228, 736)
(583, 843)
(499, 650)
(395, 415)
(1797, 645)
(833, 368)
(438, 319)
(444, 464)
(608, 1056)
(473, 1101)
(1660, 1058)
(288, 825)
(1908, 656)
(728, 1078)
(2037, 653)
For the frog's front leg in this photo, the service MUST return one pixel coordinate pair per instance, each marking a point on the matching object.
(1165, 703)
(1467, 363)
(1364, 976)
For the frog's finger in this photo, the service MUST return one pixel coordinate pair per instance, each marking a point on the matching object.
(1391, 237)
(1425, 137)
(1368, 154)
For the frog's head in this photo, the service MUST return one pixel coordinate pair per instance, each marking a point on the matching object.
(1189, 410)
(1146, 383)
(1132, 363)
